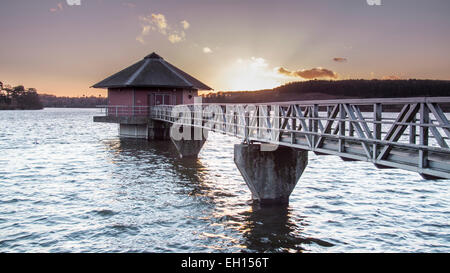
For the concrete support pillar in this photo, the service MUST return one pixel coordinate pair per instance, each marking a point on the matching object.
(189, 147)
(271, 176)
(158, 130)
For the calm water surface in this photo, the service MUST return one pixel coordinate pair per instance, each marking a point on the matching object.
(70, 185)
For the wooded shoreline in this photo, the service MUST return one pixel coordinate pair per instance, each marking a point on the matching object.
(19, 98)
(331, 90)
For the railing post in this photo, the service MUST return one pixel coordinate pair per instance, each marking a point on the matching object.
(377, 116)
(342, 116)
(235, 123)
(246, 125)
(192, 121)
(310, 125)
(257, 121)
(424, 119)
(412, 132)
(294, 125)
(315, 114)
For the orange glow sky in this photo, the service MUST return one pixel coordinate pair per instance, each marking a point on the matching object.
(227, 44)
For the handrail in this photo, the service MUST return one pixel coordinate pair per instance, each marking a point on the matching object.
(417, 129)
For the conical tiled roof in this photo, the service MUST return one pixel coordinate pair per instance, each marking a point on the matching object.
(152, 71)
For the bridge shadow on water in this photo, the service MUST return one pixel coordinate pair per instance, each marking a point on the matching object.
(275, 229)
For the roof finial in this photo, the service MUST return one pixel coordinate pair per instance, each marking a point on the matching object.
(153, 56)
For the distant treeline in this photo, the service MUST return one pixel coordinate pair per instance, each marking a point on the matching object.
(72, 102)
(324, 90)
(19, 98)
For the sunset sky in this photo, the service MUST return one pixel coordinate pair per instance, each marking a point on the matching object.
(227, 44)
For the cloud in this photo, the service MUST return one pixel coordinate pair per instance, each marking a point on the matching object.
(258, 62)
(340, 60)
(309, 74)
(185, 24)
(158, 22)
(175, 38)
(129, 5)
(59, 7)
(207, 50)
(283, 71)
(140, 39)
(146, 29)
(256, 73)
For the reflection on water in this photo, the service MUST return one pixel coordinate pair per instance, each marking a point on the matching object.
(190, 172)
(264, 229)
(274, 229)
(271, 229)
(71, 185)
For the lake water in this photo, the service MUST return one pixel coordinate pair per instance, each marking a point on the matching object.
(68, 184)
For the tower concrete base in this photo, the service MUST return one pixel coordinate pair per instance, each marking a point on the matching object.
(133, 131)
(153, 130)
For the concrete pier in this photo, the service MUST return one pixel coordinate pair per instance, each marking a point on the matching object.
(158, 130)
(188, 148)
(270, 176)
(189, 145)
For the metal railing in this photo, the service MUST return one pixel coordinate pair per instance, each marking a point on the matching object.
(124, 111)
(406, 133)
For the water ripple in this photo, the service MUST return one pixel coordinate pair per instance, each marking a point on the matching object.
(70, 185)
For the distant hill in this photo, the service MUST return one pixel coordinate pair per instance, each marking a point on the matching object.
(345, 89)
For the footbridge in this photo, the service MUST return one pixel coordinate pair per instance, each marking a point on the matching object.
(404, 133)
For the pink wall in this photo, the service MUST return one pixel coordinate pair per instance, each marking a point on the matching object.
(122, 97)
(188, 96)
(179, 98)
(141, 98)
(145, 97)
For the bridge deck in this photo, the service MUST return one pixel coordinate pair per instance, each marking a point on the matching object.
(406, 133)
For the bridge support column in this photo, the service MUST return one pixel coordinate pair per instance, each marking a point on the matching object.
(158, 130)
(271, 176)
(189, 147)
